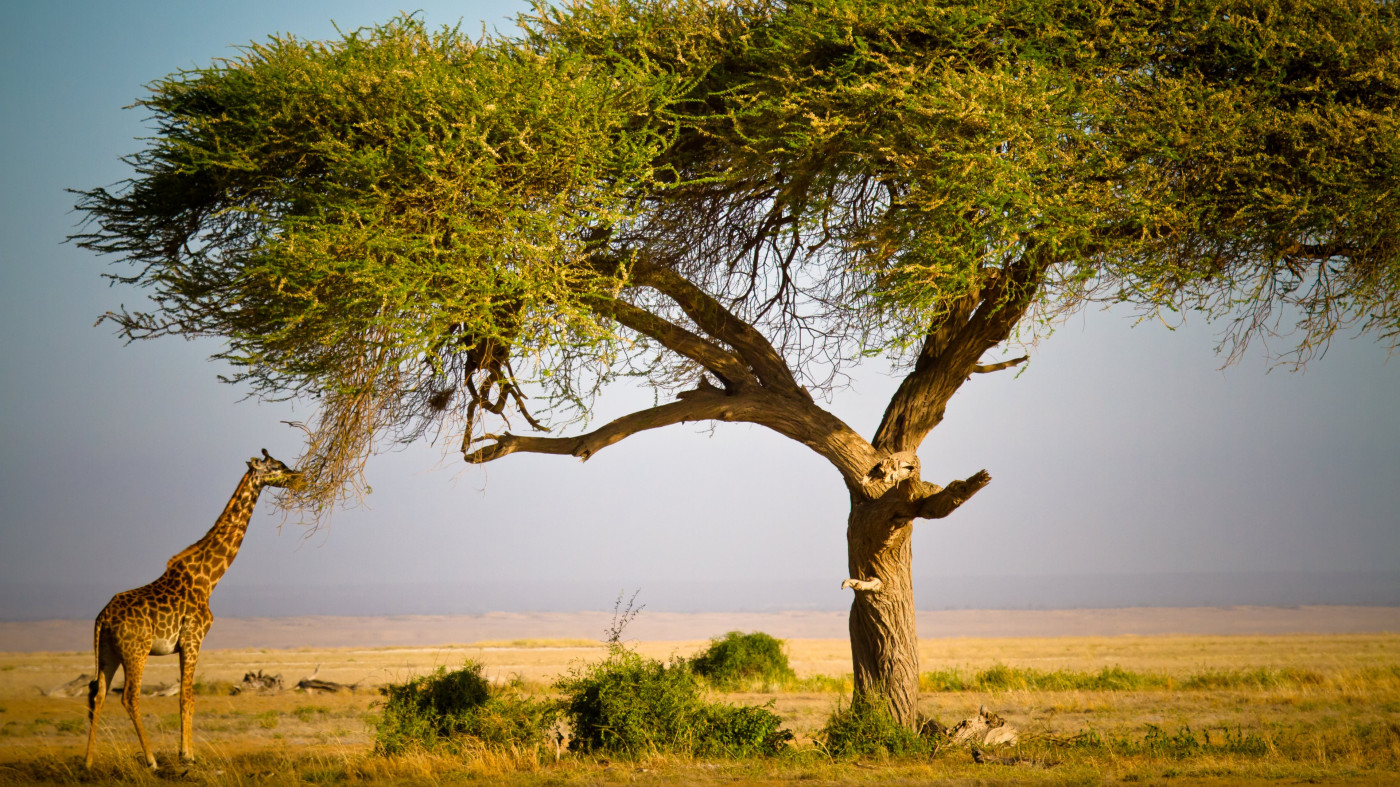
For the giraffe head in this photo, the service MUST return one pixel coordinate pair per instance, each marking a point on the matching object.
(270, 472)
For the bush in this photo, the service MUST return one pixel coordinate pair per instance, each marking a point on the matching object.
(632, 706)
(738, 661)
(866, 728)
(449, 709)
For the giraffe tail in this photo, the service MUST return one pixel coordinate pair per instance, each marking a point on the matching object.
(97, 664)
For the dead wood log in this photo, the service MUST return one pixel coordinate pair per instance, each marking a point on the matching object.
(147, 690)
(73, 688)
(314, 684)
(259, 682)
(986, 728)
(78, 687)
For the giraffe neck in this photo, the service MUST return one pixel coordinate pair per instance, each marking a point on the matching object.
(206, 560)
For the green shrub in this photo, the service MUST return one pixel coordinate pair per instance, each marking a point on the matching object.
(632, 706)
(739, 661)
(447, 709)
(866, 728)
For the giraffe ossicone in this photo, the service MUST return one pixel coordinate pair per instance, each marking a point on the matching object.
(171, 615)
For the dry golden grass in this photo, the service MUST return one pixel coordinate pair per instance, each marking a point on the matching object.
(1332, 714)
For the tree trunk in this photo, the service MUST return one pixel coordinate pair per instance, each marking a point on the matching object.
(884, 645)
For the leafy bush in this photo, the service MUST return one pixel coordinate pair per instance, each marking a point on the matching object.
(866, 728)
(447, 709)
(632, 706)
(737, 661)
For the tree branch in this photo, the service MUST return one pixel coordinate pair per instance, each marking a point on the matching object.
(944, 501)
(944, 330)
(704, 403)
(731, 371)
(996, 367)
(712, 318)
(860, 465)
(950, 355)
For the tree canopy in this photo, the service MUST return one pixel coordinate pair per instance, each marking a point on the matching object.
(419, 229)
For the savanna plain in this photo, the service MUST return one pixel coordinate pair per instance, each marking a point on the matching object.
(1178, 709)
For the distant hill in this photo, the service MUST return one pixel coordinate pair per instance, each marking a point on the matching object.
(1274, 589)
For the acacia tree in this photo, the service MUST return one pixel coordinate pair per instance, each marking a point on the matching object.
(734, 201)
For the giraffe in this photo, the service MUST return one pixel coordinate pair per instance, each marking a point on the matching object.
(172, 614)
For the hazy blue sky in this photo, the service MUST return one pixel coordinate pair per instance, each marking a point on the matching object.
(1119, 450)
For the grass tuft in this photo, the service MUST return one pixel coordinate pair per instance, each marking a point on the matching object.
(1000, 677)
(866, 728)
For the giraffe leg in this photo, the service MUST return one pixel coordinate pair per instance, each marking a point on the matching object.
(134, 663)
(189, 654)
(107, 662)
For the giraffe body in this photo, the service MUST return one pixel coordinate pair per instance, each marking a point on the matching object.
(171, 614)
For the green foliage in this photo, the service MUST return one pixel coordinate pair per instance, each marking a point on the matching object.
(737, 660)
(376, 219)
(866, 728)
(453, 709)
(631, 706)
(412, 226)
(1173, 154)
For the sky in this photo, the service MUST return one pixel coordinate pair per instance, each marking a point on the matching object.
(1128, 467)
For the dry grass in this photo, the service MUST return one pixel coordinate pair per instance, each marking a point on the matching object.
(1209, 709)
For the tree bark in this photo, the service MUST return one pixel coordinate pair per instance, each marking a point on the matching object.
(884, 643)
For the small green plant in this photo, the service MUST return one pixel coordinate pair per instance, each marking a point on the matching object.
(1181, 744)
(739, 661)
(866, 728)
(450, 709)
